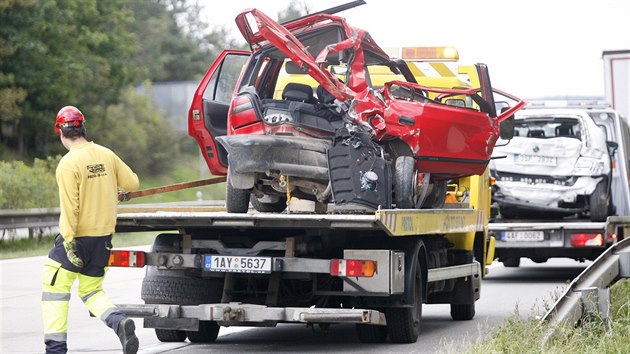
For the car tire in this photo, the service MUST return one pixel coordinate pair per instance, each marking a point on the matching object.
(437, 197)
(269, 207)
(599, 202)
(236, 200)
(511, 262)
(404, 180)
(508, 213)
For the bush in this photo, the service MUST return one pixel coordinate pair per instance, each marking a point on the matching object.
(23, 187)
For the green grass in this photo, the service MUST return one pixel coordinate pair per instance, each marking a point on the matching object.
(30, 247)
(518, 335)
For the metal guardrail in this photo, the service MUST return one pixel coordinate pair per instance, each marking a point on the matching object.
(589, 293)
(29, 218)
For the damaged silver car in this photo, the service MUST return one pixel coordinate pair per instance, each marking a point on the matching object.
(557, 164)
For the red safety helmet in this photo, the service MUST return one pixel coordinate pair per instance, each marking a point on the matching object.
(68, 115)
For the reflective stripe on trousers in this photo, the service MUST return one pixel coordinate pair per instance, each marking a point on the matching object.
(56, 284)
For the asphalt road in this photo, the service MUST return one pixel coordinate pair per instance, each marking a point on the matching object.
(505, 291)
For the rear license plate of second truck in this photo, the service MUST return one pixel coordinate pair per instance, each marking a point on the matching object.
(523, 236)
(237, 264)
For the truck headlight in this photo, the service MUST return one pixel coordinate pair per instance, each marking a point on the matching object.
(587, 166)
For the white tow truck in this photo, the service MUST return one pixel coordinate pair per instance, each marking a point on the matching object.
(209, 268)
(574, 237)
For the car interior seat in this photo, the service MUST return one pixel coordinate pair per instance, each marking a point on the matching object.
(536, 134)
(324, 96)
(294, 91)
(564, 130)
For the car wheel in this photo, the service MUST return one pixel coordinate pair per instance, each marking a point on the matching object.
(277, 205)
(405, 183)
(435, 199)
(508, 213)
(236, 200)
(600, 202)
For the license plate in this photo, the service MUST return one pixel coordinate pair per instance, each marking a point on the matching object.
(522, 159)
(523, 236)
(237, 264)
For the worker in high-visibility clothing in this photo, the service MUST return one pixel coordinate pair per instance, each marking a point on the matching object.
(89, 177)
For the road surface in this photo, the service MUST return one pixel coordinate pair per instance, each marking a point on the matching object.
(528, 289)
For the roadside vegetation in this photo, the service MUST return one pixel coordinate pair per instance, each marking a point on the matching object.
(525, 335)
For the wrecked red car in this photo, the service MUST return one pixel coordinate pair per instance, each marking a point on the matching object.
(336, 138)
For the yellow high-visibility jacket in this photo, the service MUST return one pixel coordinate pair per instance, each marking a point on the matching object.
(89, 177)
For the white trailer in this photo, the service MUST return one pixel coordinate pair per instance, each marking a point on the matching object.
(617, 80)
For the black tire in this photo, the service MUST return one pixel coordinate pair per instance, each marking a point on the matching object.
(236, 200)
(207, 333)
(437, 197)
(371, 333)
(170, 335)
(403, 323)
(273, 207)
(462, 312)
(511, 262)
(600, 202)
(180, 290)
(404, 180)
(508, 213)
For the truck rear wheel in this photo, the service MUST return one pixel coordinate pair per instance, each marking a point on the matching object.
(207, 333)
(170, 335)
(371, 333)
(462, 312)
(403, 323)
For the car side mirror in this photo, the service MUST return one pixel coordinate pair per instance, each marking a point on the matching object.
(612, 147)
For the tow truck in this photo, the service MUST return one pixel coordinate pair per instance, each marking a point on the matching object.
(209, 268)
(314, 265)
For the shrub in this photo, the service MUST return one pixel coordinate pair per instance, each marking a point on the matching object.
(23, 186)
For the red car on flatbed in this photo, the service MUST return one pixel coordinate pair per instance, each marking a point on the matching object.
(341, 139)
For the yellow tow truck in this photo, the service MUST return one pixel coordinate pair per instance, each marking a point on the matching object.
(208, 268)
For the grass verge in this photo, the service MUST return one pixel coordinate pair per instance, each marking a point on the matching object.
(518, 335)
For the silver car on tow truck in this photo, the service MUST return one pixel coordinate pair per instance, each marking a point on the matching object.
(558, 164)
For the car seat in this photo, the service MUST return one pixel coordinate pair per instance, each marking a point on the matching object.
(297, 92)
(536, 134)
(564, 130)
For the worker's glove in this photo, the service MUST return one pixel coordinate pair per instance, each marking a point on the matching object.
(123, 196)
(73, 253)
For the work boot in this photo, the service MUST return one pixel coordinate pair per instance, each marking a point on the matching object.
(126, 333)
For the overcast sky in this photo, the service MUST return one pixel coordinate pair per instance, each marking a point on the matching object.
(533, 48)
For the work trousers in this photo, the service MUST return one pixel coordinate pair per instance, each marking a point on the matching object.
(58, 277)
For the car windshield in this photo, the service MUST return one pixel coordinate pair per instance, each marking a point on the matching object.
(548, 128)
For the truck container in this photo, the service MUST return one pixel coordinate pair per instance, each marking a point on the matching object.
(617, 80)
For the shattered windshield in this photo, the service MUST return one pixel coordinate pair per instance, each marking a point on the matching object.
(548, 128)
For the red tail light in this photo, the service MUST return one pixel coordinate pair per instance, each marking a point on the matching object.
(127, 259)
(242, 112)
(352, 268)
(587, 240)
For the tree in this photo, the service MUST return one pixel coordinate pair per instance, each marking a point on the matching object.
(137, 132)
(295, 9)
(63, 52)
